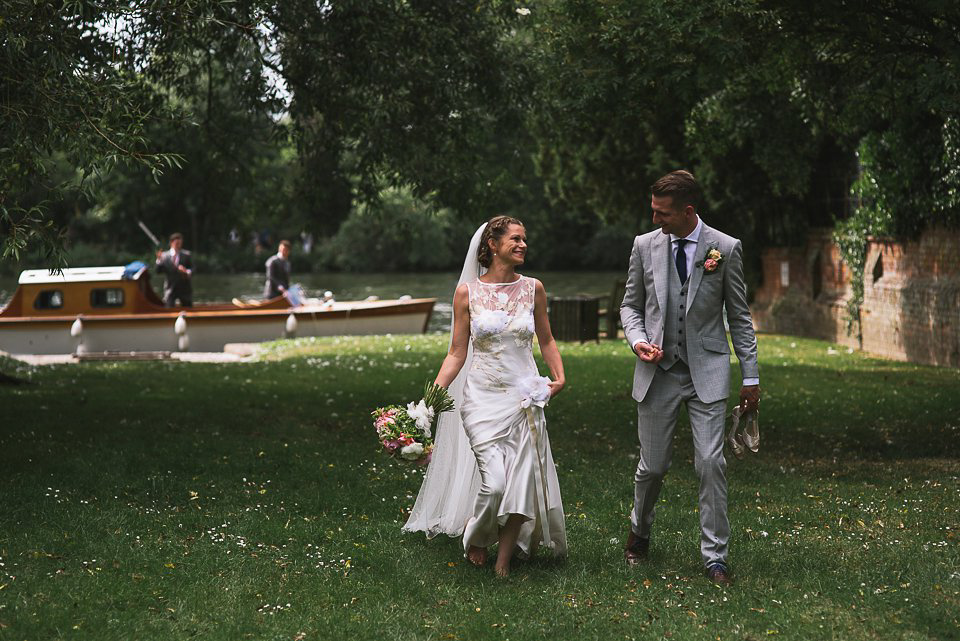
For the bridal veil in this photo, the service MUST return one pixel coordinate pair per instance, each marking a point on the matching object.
(450, 487)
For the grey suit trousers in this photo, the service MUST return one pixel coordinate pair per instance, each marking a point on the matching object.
(656, 419)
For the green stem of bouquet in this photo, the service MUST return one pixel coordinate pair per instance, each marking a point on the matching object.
(438, 398)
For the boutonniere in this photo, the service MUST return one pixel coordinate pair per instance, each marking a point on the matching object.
(711, 261)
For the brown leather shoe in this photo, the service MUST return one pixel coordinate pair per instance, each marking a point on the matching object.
(637, 549)
(719, 575)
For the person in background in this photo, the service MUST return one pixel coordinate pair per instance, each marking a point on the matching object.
(306, 239)
(177, 265)
(278, 272)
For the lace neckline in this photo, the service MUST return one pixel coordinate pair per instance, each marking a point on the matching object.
(512, 282)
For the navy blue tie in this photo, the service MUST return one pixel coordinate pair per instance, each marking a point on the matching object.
(681, 260)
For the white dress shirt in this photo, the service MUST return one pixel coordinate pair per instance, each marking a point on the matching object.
(690, 249)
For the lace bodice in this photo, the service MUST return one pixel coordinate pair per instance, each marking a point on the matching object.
(501, 314)
(501, 331)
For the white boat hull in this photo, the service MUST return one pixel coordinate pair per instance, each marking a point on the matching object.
(209, 331)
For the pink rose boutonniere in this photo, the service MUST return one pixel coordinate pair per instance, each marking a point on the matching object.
(711, 261)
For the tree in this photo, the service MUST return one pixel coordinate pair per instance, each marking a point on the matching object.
(236, 162)
(411, 94)
(86, 80)
(766, 100)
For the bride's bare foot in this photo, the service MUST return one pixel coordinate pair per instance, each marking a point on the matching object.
(477, 555)
(507, 544)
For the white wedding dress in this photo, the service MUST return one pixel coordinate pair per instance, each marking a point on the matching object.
(510, 442)
(492, 456)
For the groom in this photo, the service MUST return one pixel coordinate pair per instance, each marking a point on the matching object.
(681, 278)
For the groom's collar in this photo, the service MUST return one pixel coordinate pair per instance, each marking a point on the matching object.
(693, 236)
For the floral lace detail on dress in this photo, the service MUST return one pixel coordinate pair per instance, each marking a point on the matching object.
(499, 312)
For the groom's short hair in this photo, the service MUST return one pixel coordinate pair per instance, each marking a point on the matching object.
(681, 186)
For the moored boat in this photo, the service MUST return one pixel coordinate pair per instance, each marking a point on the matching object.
(114, 309)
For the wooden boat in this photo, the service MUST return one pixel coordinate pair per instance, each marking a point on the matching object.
(114, 309)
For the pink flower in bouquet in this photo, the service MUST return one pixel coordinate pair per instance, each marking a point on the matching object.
(391, 445)
(405, 439)
(709, 265)
(385, 419)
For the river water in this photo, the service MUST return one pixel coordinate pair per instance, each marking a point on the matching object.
(218, 288)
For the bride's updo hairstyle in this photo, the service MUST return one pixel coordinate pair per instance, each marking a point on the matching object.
(496, 228)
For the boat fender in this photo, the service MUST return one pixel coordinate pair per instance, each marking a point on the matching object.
(291, 326)
(76, 331)
(180, 327)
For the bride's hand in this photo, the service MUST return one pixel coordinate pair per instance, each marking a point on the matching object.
(555, 387)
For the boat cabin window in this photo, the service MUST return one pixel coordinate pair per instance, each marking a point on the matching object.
(48, 299)
(106, 297)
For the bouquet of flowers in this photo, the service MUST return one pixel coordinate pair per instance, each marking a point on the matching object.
(407, 432)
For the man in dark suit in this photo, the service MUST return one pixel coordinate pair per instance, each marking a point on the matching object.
(177, 265)
(278, 272)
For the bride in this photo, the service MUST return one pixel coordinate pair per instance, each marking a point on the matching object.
(492, 477)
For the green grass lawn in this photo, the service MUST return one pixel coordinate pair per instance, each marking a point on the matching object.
(250, 501)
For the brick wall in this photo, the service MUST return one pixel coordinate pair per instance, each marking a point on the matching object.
(911, 306)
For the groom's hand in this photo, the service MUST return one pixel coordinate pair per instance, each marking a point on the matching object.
(647, 352)
(749, 398)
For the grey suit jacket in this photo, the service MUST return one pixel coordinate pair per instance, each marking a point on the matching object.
(708, 353)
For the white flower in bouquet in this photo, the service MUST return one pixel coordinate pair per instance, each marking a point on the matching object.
(411, 452)
(534, 390)
(422, 415)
